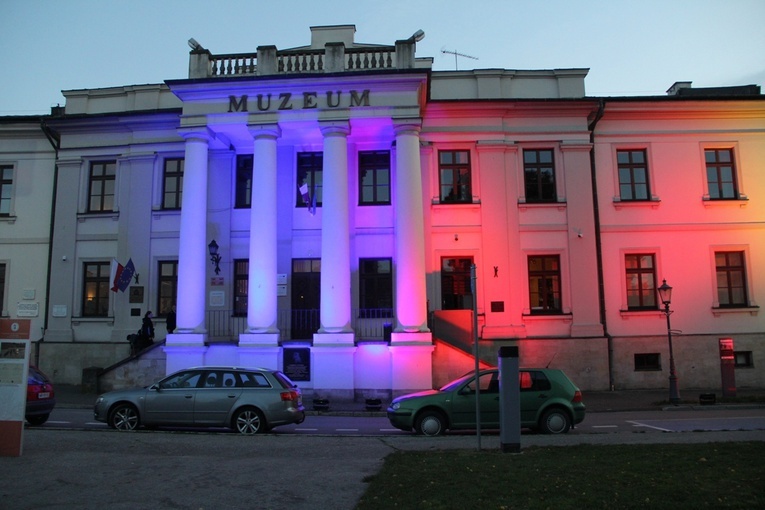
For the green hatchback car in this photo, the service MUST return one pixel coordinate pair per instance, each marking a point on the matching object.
(550, 403)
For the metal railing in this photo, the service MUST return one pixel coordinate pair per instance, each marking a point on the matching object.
(367, 324)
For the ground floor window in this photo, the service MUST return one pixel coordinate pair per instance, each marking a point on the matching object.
(241, 286)
(375, 288)
(95, 285)
(641, 281)
(544, 284)
(743, 359)
(731, 279)
(168, 287)
(456, 288)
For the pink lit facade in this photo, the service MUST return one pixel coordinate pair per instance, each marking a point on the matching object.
(349, 200)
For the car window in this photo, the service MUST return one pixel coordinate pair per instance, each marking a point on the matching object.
(229, 380)
(181, 380)
(534, 380)
(211, 380)
(254, 380)
(285, 381)
(489, 383)
(36, 377)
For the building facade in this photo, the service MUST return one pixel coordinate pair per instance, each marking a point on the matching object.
(339, 211)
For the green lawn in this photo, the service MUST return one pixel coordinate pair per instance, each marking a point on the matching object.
(711, 475)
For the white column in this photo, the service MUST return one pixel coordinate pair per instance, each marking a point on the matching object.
(335, 239)
(411, 297)
(185, 347)
(261, 295)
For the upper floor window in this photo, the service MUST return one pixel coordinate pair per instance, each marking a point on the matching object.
(95, 285)
(721, 174)
(309, 179)
(633, 175)
(6, 189)
(539, 175)
(243, 198)
(101, 186)
(544, 284)
(454, 177)
(375, 288)
(731, 279)
(2, 288)
(374, 178)
(173, 184)
(168, 286)
(456, 287)
(641, 281)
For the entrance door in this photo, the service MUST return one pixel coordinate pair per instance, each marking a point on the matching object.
(306, 295)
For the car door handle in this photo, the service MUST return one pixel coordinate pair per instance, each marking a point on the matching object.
(231, 396)
(188, 396)
(542, 396)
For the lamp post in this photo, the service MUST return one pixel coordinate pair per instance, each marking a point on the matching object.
(665, 295)
(214, 257)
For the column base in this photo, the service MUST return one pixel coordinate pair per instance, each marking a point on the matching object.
(258, 339)
(415, 338)
(334, 339)
(259, 356)
(411, 356)
(184, 350)
(332, 367)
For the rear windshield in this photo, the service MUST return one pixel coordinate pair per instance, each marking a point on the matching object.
(285, 381)
(36, 377)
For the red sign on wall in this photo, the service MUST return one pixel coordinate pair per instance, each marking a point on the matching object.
(14, 329)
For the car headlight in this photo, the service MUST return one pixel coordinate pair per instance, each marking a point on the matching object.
(99, 400)
(395, 405)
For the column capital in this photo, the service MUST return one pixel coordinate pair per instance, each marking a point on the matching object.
(335, 128)
(203, 133)
(271, 131)
(407, 126)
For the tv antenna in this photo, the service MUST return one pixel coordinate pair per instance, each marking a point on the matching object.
(457, 54)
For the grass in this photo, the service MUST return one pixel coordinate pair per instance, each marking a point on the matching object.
(677, 476)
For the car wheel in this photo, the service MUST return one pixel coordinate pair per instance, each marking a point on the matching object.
(249, 421)
(37, 419)
(124, 417)
(430, 423)
(555, 421)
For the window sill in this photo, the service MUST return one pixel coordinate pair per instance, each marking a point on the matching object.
(92, 320)
(81, 217)
(741, 201)
(564, 317)
(628, 314)
(523, 205)
(751, 310)
(8, 219)
(475, 203)
(653, 203)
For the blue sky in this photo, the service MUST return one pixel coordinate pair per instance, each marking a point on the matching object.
(638, 47)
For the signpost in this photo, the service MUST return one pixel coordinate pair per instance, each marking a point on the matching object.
(15, 348)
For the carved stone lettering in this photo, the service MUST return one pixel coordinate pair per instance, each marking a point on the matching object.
(237, 106)
(261, 106)
(309, 100)
(285, 104)
(330, 103)
(359, 101)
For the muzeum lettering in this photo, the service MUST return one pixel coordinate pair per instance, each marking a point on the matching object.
(304, 101)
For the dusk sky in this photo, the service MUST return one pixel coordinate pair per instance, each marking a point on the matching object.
(631, 47)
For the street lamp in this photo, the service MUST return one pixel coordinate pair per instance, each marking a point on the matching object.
(665, 295)
(214, 257)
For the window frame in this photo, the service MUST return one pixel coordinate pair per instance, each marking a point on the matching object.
(7, 188)
(3, 291)
(458, 279)
(382, 288)
(647, 362)
(369, 162)
(162, 285)
(310, 171)
(461, 188)
(537, 166)
(639, 271)
(241, 289)
(717, 165)
(101, 284)
(729, 270)
(243, 181)
(631, 166)
(173, 176)
(104, 178)
(551, 275)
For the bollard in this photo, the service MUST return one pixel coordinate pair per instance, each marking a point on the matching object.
(509, 400)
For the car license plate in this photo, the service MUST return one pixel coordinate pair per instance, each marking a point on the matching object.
(43, 395)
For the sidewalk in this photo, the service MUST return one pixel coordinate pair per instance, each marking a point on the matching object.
(72, 396)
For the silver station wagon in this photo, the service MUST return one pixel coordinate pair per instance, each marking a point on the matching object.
(247, 400)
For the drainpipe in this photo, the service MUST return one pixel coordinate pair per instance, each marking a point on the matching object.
(599, 245)
(55, 140)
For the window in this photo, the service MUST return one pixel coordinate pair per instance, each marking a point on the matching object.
(95, 296)
(375, 288)
(633, 175)
(456, 287)
(6, 189)
(241, 286)
(539, 175)
(544, 284)
(374, 178)
(309, 179)
(641, 281)
(731, 279)
(454, 177)
(743, 359)
(647, 361)
(721, 174)
(2, 288)
(173, 185)
(168, 286)
(243, 181)
(533, 381)
(101, 191)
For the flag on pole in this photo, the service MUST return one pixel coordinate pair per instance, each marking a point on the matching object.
(304, 193)
(116, 272)
(126, 275)
(312, 207)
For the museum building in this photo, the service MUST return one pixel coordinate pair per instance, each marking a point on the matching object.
(345, 213)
